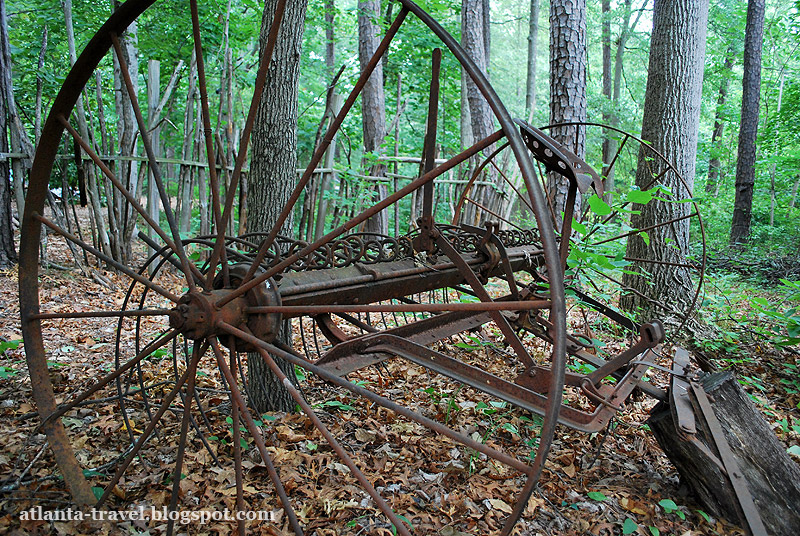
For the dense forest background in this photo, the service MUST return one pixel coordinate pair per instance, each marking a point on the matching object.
(38, 69)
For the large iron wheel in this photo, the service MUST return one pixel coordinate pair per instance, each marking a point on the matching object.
(212, 299)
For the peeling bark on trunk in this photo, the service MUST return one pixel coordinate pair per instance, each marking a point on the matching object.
(670, 124)
(273, 176)
(567, 86)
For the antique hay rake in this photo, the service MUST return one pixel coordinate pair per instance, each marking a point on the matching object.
(536, 286)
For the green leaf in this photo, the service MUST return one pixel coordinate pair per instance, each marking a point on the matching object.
(654, 531)
(596, 495)
(704, 516)
(508, 427)
(599, 206)
(9, 345)
(668, 505)
(642, 197)
(794, 449)
(645, 237)
(98, 492)
(630, 526)
(581, 228)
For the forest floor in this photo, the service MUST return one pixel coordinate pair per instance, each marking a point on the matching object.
(614, 482)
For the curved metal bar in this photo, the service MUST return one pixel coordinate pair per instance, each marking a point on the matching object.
(547, 233)
(471, 182)
(288, 355)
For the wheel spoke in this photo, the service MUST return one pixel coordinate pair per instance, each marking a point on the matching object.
(650, 300)
(493, 213)
(362, 479)
(207, 132)
(148, 431)
(152, 347)
(483, 295)
(617, 212)
(187, 410)
(244, 140)
(613, 162)
(237, 454)
(645, 229)
(124, 191)
(325, 142)
(437, 427)
(119, 266)
(155, 169)
(257, 437)
(653, 261)
(103, 314)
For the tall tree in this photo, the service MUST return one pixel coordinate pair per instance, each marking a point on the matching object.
(20, 143)
(8, 255)
(272, 173)
(127, 139)
(670, 123)
(612, 79)
(567, 85)
(533, 34)
(474, 41)
(373, 106)
(714, 164)
(751, 88)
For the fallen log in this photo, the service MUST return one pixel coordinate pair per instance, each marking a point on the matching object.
(747, 461)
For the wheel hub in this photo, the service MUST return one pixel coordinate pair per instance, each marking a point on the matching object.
(197, 316)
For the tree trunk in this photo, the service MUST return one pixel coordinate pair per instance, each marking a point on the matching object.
(473, 27)
(127, 136)
(373, 108)
(8, 255)
(772, 477)
(567, 85)
(611, 143)
(330, 43)
(670, 124)
(37, 121)
(17, 135)
(533, 38)
(714, 164)
(751, 87)
(273, 176)
(83, 129)
(153, 96)
(187, 151)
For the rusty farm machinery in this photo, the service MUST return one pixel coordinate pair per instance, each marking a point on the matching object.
(537, 286)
